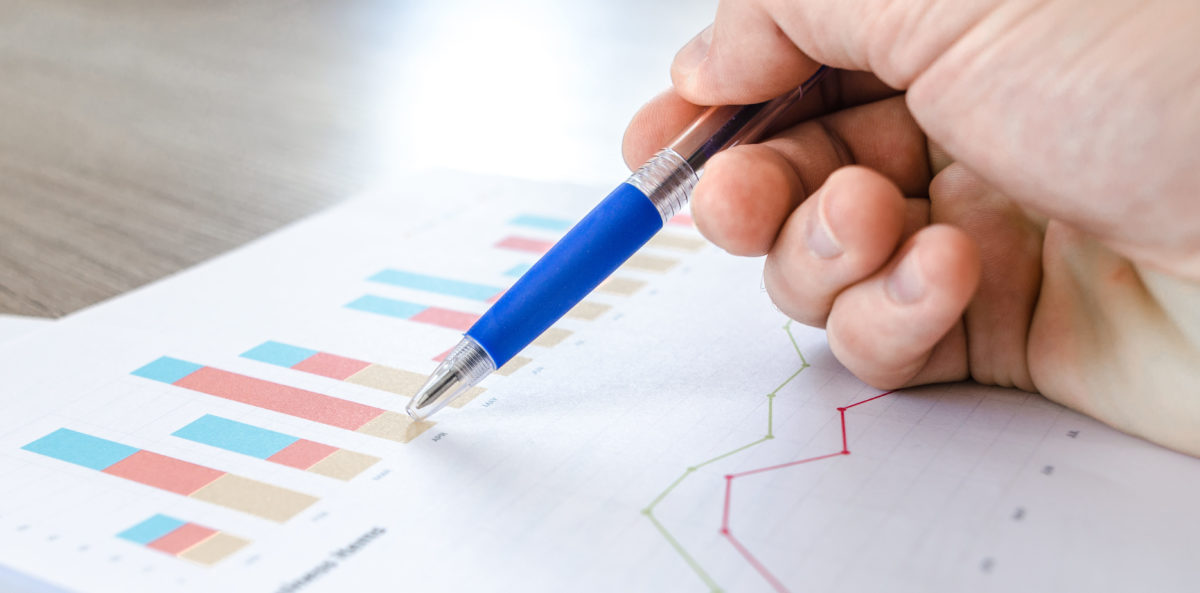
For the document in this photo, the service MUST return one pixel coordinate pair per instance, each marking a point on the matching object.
(239, 426)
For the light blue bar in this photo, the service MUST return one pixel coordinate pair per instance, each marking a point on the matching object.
(168, 370)
(541, 222)
(151, 529)
(80, 449)
(446, 286)
(518, 270)
(390, 307)
(235, 436)
(278, 353)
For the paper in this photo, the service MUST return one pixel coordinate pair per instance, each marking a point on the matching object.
(239, 427)
(15, 326)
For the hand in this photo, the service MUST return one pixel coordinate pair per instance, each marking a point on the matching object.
(1002, 191)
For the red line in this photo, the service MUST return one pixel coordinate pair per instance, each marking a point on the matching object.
(842, 413)
(762, 570)
(728, 533)
(728, 496)
(869, 400)
(783, 465)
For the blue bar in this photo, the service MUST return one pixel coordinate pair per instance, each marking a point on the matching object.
(541, 222)
(466, 290)
(390, 307)
(235, 436)
(151, 529)
(278, 353)
(80, 449)
(518, 270)
(168, 370)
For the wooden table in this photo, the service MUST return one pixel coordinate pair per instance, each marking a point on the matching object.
(139, 137)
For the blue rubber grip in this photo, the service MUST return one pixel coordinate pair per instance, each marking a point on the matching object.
(588, 254)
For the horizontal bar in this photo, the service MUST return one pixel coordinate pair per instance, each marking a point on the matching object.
(541, 222)
(151, 529)
(238, 437)
(518, 270)
(525, 244)
(80, 449)
(214, 549)
(181, 539)
(435, 284)
(385, 306)
(197, 481)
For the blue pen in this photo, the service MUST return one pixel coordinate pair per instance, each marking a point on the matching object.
(596, 246)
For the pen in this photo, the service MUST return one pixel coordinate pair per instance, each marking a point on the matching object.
(596, 246)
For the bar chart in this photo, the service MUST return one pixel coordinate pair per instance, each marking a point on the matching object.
(175, 537)
(359, 372)
(276, 447)
(293, 401)
(173, 475)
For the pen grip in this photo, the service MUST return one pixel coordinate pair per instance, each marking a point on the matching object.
(594, 248)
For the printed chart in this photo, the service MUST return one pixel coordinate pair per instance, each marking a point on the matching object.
(241, 426)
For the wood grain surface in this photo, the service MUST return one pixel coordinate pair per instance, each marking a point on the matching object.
(139, 137)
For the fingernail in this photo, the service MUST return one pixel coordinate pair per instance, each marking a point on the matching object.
(691, 55)
(906, 284)
(818, 235)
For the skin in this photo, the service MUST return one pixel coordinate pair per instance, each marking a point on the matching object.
(1004, 191)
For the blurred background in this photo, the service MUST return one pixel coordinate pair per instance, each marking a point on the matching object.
(139, 137)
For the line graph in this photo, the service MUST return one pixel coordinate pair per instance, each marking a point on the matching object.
(726, 530)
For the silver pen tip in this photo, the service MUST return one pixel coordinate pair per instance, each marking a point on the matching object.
(465, 366)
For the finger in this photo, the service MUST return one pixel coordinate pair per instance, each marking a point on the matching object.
(840, 236)
(666, 115)
(756, 49)
(1010, 249)
(902, 325)
(881, 136)
(744, 197)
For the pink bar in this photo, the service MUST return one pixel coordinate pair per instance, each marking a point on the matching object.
(446, 318)
(164, 472)
(682, 220)
(331, 365)
(526, 244)
(182, 538)
(302, 454)
(280, 398)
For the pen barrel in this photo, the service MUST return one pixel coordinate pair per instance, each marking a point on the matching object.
(580, 261)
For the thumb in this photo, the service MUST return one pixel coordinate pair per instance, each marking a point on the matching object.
(759, 49)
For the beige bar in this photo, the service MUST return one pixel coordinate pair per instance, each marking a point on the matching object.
(552, 337)
(513, 365)
(680, 242)
(391, 379)
(343, 464)
(621, 286)
(650, 263)
(587, 310)
(214, 549)
(466, 397)
(395, 426)
(401, 382)
(254, 497)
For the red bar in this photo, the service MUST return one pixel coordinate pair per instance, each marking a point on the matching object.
(331, 365)
(682, 220)
(525, 244)
(184, 537)
(446, 318)
(280, 398)
(302, 454)
(167, 473)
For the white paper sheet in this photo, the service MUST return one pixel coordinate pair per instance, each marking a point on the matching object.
(15, 326)
(615, 460)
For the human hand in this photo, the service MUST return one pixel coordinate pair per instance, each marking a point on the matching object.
(1023, 211)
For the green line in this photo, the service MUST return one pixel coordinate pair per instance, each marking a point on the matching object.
(712, 585)
(649, 510)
